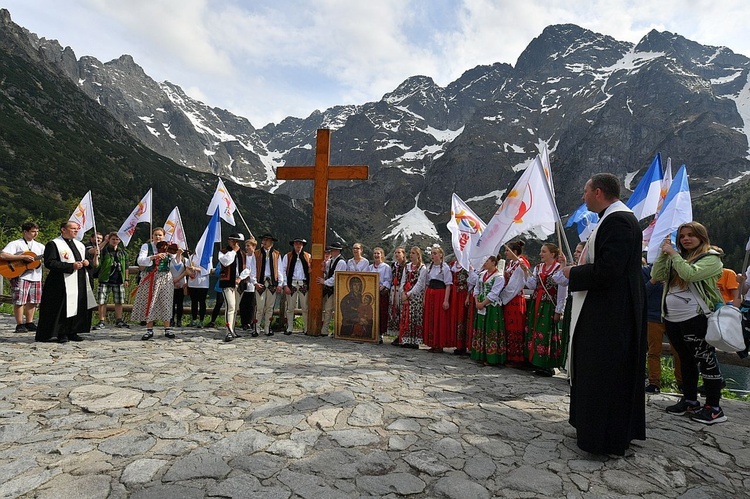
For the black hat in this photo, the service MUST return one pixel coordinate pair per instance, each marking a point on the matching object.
(335, 245)
(298, 240)
(237, 236)
(268, 236)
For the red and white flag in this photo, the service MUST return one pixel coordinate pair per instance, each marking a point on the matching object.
(83, 215)
(224, 202)
(466, 228)
(529, 206)
(141, 213)
(174, 230)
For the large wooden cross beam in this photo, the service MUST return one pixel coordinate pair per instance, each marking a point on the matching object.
(320, 174)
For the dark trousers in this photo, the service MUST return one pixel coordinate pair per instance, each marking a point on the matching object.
(247, 309)
(689, 341)
(217, 306)
(178, 298)
(198, 303)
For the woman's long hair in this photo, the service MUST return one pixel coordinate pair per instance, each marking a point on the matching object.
(689, 255)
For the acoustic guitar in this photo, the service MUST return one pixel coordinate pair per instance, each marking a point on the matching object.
(12, 269)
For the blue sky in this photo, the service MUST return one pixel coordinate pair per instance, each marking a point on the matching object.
(266, 60)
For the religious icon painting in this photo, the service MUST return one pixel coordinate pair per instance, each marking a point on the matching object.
(357, 300)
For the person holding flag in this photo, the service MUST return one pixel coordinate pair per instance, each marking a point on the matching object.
(514, 302)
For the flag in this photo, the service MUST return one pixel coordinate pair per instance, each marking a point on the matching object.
(174, 230)
(646, 194)
(677, 210)
(224, 202)
(528, 206)
(585, 221)
(204, 250)
(747, 246)
(83, 215)
(465, 227)
(665, 184)
(141, 213)
(544, 158)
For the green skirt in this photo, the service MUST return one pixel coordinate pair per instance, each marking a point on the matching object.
(488, 344)
(545, 343)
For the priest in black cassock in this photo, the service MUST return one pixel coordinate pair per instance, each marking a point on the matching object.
(67, 290)
(608, 327)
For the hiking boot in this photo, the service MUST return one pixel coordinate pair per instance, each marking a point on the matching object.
(684, 407)
(653, 389)
(708, 415)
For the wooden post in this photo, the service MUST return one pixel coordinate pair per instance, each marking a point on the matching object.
(320, 174)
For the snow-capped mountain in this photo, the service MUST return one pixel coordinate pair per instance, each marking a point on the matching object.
(598, 103)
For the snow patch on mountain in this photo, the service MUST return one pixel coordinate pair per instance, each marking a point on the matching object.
(413, 222)
(742, 101)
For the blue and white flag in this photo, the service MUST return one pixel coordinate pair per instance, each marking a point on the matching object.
(585, 221)
(645, 197)
(205, 247)
(677, 210)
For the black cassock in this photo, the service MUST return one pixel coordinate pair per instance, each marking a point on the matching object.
(607, 397)
(53, 322)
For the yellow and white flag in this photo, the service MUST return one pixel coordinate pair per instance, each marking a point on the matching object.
(466, 228)
(224, 202)
(175, 232)
(141, 213)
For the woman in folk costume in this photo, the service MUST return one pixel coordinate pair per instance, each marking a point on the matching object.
(154, 295)
(545, 343)
(488, 345)
(459, 310)
(471, 305)
(394, 304)
(437, 317)
(410, 331)
(514, 302)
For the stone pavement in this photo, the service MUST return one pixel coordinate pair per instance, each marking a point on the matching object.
(292, 416)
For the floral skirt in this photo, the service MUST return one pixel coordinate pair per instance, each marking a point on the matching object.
(488, 343)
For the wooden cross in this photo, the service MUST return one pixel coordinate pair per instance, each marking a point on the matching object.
(320, 174)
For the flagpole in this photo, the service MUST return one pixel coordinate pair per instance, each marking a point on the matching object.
(562, 238)
(250, 233)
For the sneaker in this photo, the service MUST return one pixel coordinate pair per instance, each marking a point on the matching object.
(20, 328)
(683, 407)
(30, 327)
(254, 334)
(121, 323)
(148, 335)
(228, 338)
(101, 325)
(653, 389)
(708, 415)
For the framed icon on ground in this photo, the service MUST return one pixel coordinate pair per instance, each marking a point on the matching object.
(357, 299)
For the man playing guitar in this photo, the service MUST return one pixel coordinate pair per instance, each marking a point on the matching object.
(27, 287)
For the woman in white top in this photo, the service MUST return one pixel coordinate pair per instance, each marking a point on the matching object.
(358, 263)
(488, 343)
(437, 283)
(410, 332)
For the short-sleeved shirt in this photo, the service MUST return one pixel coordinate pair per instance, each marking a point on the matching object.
(727, 284)
(21, 246)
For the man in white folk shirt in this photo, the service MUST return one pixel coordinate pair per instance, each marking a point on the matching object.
(267, 261)
(27, 288)
(335, 264)
(296, 267)
(386, 280)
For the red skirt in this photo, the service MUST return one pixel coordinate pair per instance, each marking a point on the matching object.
(437, 321)
(514, 314)
(459, 316)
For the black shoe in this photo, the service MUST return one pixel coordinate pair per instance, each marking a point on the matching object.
(21, 328)
(211, 324)
(169, 334)
(121, 323)
(270, 333)
(459, 351)
(287, 333)
(254, 334)
(684, 407)
(708, 415)
(147, 335)
(62, 339)
(396, 342)
(235, 335)
(653, 389)
(545, 372)
(228, 338)
(380, 341)
(30, 326)
(75, 337)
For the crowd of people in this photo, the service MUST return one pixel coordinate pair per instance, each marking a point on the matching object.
(594, 318)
